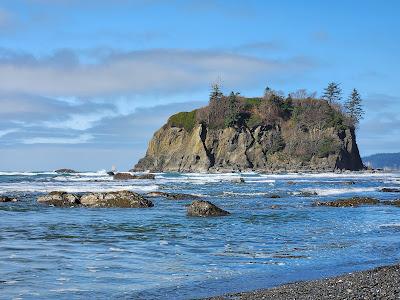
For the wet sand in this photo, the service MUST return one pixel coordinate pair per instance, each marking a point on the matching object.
(378, 283)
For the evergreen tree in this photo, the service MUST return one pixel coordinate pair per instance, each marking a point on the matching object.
(332, 93)
(215, 93)
(354, 107)
(233, 110)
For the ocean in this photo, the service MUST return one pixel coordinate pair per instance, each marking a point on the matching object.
(160, 253)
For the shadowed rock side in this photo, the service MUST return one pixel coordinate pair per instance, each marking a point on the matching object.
(242, 148)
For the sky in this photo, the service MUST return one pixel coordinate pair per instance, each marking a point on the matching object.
(84, 84)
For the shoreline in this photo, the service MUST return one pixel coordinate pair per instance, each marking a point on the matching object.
(377, 283)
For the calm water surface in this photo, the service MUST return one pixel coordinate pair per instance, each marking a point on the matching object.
(159, 253)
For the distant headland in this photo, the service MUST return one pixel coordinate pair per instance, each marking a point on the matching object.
(271, 133)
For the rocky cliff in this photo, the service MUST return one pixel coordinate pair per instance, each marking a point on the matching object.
(291, 143)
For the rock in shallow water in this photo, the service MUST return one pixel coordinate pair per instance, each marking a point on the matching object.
(123, 199)
(65, 171)
(390, 190)
(116, 199)
(7, 199)
(201, 208)
(173, 196)
(350, 202)
(128, 176)
(59, 199)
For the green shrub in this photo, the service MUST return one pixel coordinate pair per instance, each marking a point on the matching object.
(253, 121)
(185, 120)
(326, 147)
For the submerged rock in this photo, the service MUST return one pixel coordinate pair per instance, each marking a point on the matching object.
(59, 199)
(128, 176)
(65, 171)
(392, 202)
(350, 202)
(274, 196)
(173, 196)
(7, 199)
(390, 190)
(200, 208)
(115, 199)
(307, 194)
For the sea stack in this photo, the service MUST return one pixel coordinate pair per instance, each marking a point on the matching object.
(255, 134)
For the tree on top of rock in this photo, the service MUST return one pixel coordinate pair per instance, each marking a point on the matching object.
(354, 107)
(215, 93)
(233, 110)
(332, 93)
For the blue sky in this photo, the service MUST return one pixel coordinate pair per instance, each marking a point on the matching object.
(84, 84)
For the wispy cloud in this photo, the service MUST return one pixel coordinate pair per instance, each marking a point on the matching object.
(157, 70)
(81, 139)
(80, 121)
(7, 131)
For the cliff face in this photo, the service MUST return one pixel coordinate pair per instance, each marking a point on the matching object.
(282, 147)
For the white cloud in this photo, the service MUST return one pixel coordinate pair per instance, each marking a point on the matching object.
(148, 71)
(7, 131)
(81, 139)
(80, 121)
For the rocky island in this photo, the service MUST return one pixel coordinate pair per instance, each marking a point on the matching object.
(266, 134)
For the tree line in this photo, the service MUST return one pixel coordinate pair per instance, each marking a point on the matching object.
(226, 110)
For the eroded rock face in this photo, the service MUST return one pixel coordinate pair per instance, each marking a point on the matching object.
(59, 199)
(350, 202)
(201, 208)
(123, 199)
(202, 149)
(7, 199)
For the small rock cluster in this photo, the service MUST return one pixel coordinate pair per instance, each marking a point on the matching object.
(128, 199)
(125, 199)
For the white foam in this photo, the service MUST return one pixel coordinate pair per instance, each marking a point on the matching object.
(25, 173)
(329, 192)
(41, 187)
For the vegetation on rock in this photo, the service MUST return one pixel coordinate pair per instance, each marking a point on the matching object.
(273, 132)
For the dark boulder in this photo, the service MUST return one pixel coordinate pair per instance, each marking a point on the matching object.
(61, 199)
(123, 199)
(350, 202)
(65, 171)
(7, 199)
(110, 173)
(200, 208)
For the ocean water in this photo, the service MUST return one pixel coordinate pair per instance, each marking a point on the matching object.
(160, 253)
